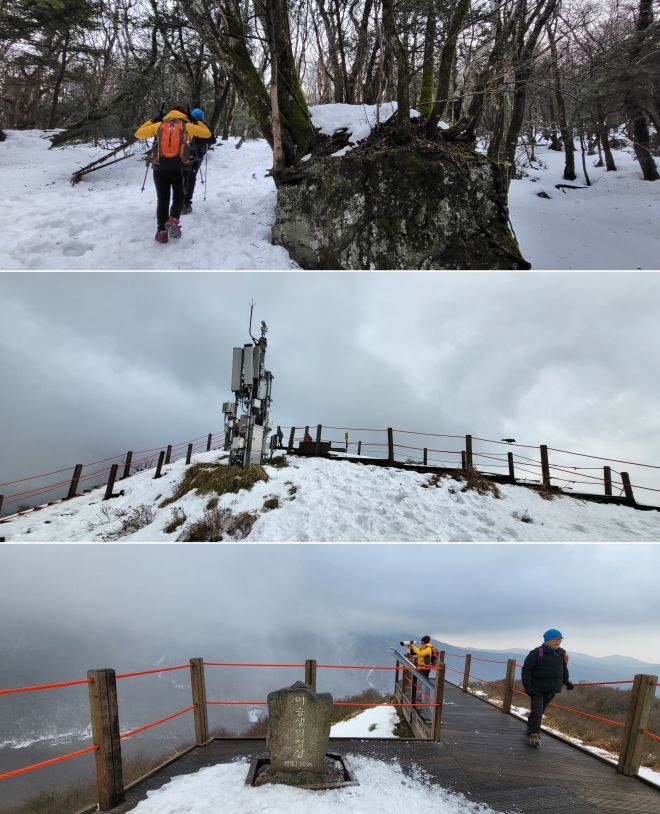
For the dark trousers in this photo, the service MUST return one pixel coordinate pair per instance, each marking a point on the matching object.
(539, 702)
(190, 179)
(166, 181)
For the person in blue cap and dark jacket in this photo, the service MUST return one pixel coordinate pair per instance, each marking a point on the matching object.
(199, 147)
(544, 672)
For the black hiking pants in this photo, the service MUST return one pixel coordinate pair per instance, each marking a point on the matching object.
(166, 181)
(190, 180)
(539, 703)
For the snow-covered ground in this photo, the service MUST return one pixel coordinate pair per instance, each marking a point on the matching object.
(377, 722)
(383, 788)
(613, 224)
(325, 500)
(105, 222)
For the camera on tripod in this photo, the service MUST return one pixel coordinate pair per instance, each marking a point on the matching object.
(407, 644)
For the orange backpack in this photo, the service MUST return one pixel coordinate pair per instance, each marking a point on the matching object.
(172, 147)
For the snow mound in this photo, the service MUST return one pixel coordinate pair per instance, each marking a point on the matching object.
(383, 788)
(382, 719)
(321, 500)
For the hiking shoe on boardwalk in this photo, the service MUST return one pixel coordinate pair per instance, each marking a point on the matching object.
(187, 209)
(535, 739)
(162, 237)
(173, 228)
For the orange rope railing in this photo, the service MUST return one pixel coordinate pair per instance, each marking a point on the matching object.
(48, 686)
(589, 715)
(48, 762)
(155, 723)
(650, 734)
(149, 672)
(241, 664)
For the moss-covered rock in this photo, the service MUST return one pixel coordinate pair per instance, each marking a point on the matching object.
(415, 207)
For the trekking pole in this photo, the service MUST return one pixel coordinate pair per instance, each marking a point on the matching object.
(144, 182)
(206, 172)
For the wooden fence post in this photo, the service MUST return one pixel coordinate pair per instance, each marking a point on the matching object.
(390, 446)
(632, 742)
(463, 463)
(466, 674)
(425, 457)
(438, 698)
(198, 686)
(545, 466)
(512, 471)
(396, 674)
(189, 454)
(508, 685)
(468, 451)
(208, 442)
(105, 734)
(359, 447)
(413, 688)
(127, 465)
(317, 447)
(289, 449)
(73, 488)
(168, 454)
(627, 488)
(310, 673)
(111, 482)
(607, 477)
(161, 458)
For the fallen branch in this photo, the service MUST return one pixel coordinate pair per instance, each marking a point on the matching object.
(100, 163)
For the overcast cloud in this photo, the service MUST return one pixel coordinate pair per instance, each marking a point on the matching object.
(96, 363)
(274, 601)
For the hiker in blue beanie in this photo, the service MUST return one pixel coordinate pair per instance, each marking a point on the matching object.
(544, 672)
(199, 148)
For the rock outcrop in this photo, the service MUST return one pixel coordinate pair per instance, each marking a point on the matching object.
(422, 206)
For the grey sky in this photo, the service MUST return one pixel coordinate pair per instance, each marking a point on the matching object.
(236, 601)
(96, 363)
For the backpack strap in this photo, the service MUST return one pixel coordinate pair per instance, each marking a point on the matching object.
(541, 652)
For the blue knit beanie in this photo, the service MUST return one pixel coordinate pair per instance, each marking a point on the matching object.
(198, 114)
(553, 633)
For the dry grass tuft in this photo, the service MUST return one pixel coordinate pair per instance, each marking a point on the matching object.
(178, 519)
(524, 517)
(549, 492)
(270, 504)
(475, 481)
(218, 524)
(279, 462)
(218, 478)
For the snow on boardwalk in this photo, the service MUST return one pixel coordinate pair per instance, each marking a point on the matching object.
(105, 222)
(327, 501)
(383, 788)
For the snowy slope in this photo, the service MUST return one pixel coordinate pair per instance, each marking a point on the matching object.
(325, 500)
(383, 788)
(105, 222)
(377, 722)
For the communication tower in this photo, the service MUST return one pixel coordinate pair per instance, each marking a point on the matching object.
(248, 419)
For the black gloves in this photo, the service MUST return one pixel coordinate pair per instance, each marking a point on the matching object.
(159, 116)
(192, 119)
(569, 686)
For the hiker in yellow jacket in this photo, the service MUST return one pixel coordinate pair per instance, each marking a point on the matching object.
(171, 155)
(424, 655)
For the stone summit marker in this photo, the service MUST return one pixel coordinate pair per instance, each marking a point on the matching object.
(297, 741)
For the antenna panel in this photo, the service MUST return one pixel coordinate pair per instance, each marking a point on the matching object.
(236, 368)
(248, 369)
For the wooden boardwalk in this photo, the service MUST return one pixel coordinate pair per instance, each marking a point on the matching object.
(484, 755)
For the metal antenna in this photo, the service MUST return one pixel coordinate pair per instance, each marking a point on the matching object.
(250, 328)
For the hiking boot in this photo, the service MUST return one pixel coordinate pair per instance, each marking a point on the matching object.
(535, 739)
(173, 228)
(187, 209)
(162, 237)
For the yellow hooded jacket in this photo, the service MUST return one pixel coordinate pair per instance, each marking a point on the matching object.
(149, 128)
(421, 653)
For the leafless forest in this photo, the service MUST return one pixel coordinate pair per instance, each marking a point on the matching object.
(570, 72)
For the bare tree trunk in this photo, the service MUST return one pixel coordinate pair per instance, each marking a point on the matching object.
(278, 150)
(403, 74)
(220, 93)
(333, 52)
(564, 128)
(637, 119)
(425, 104)
(59, 80)
(444, 71)
(229, 114)
(604, 138)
